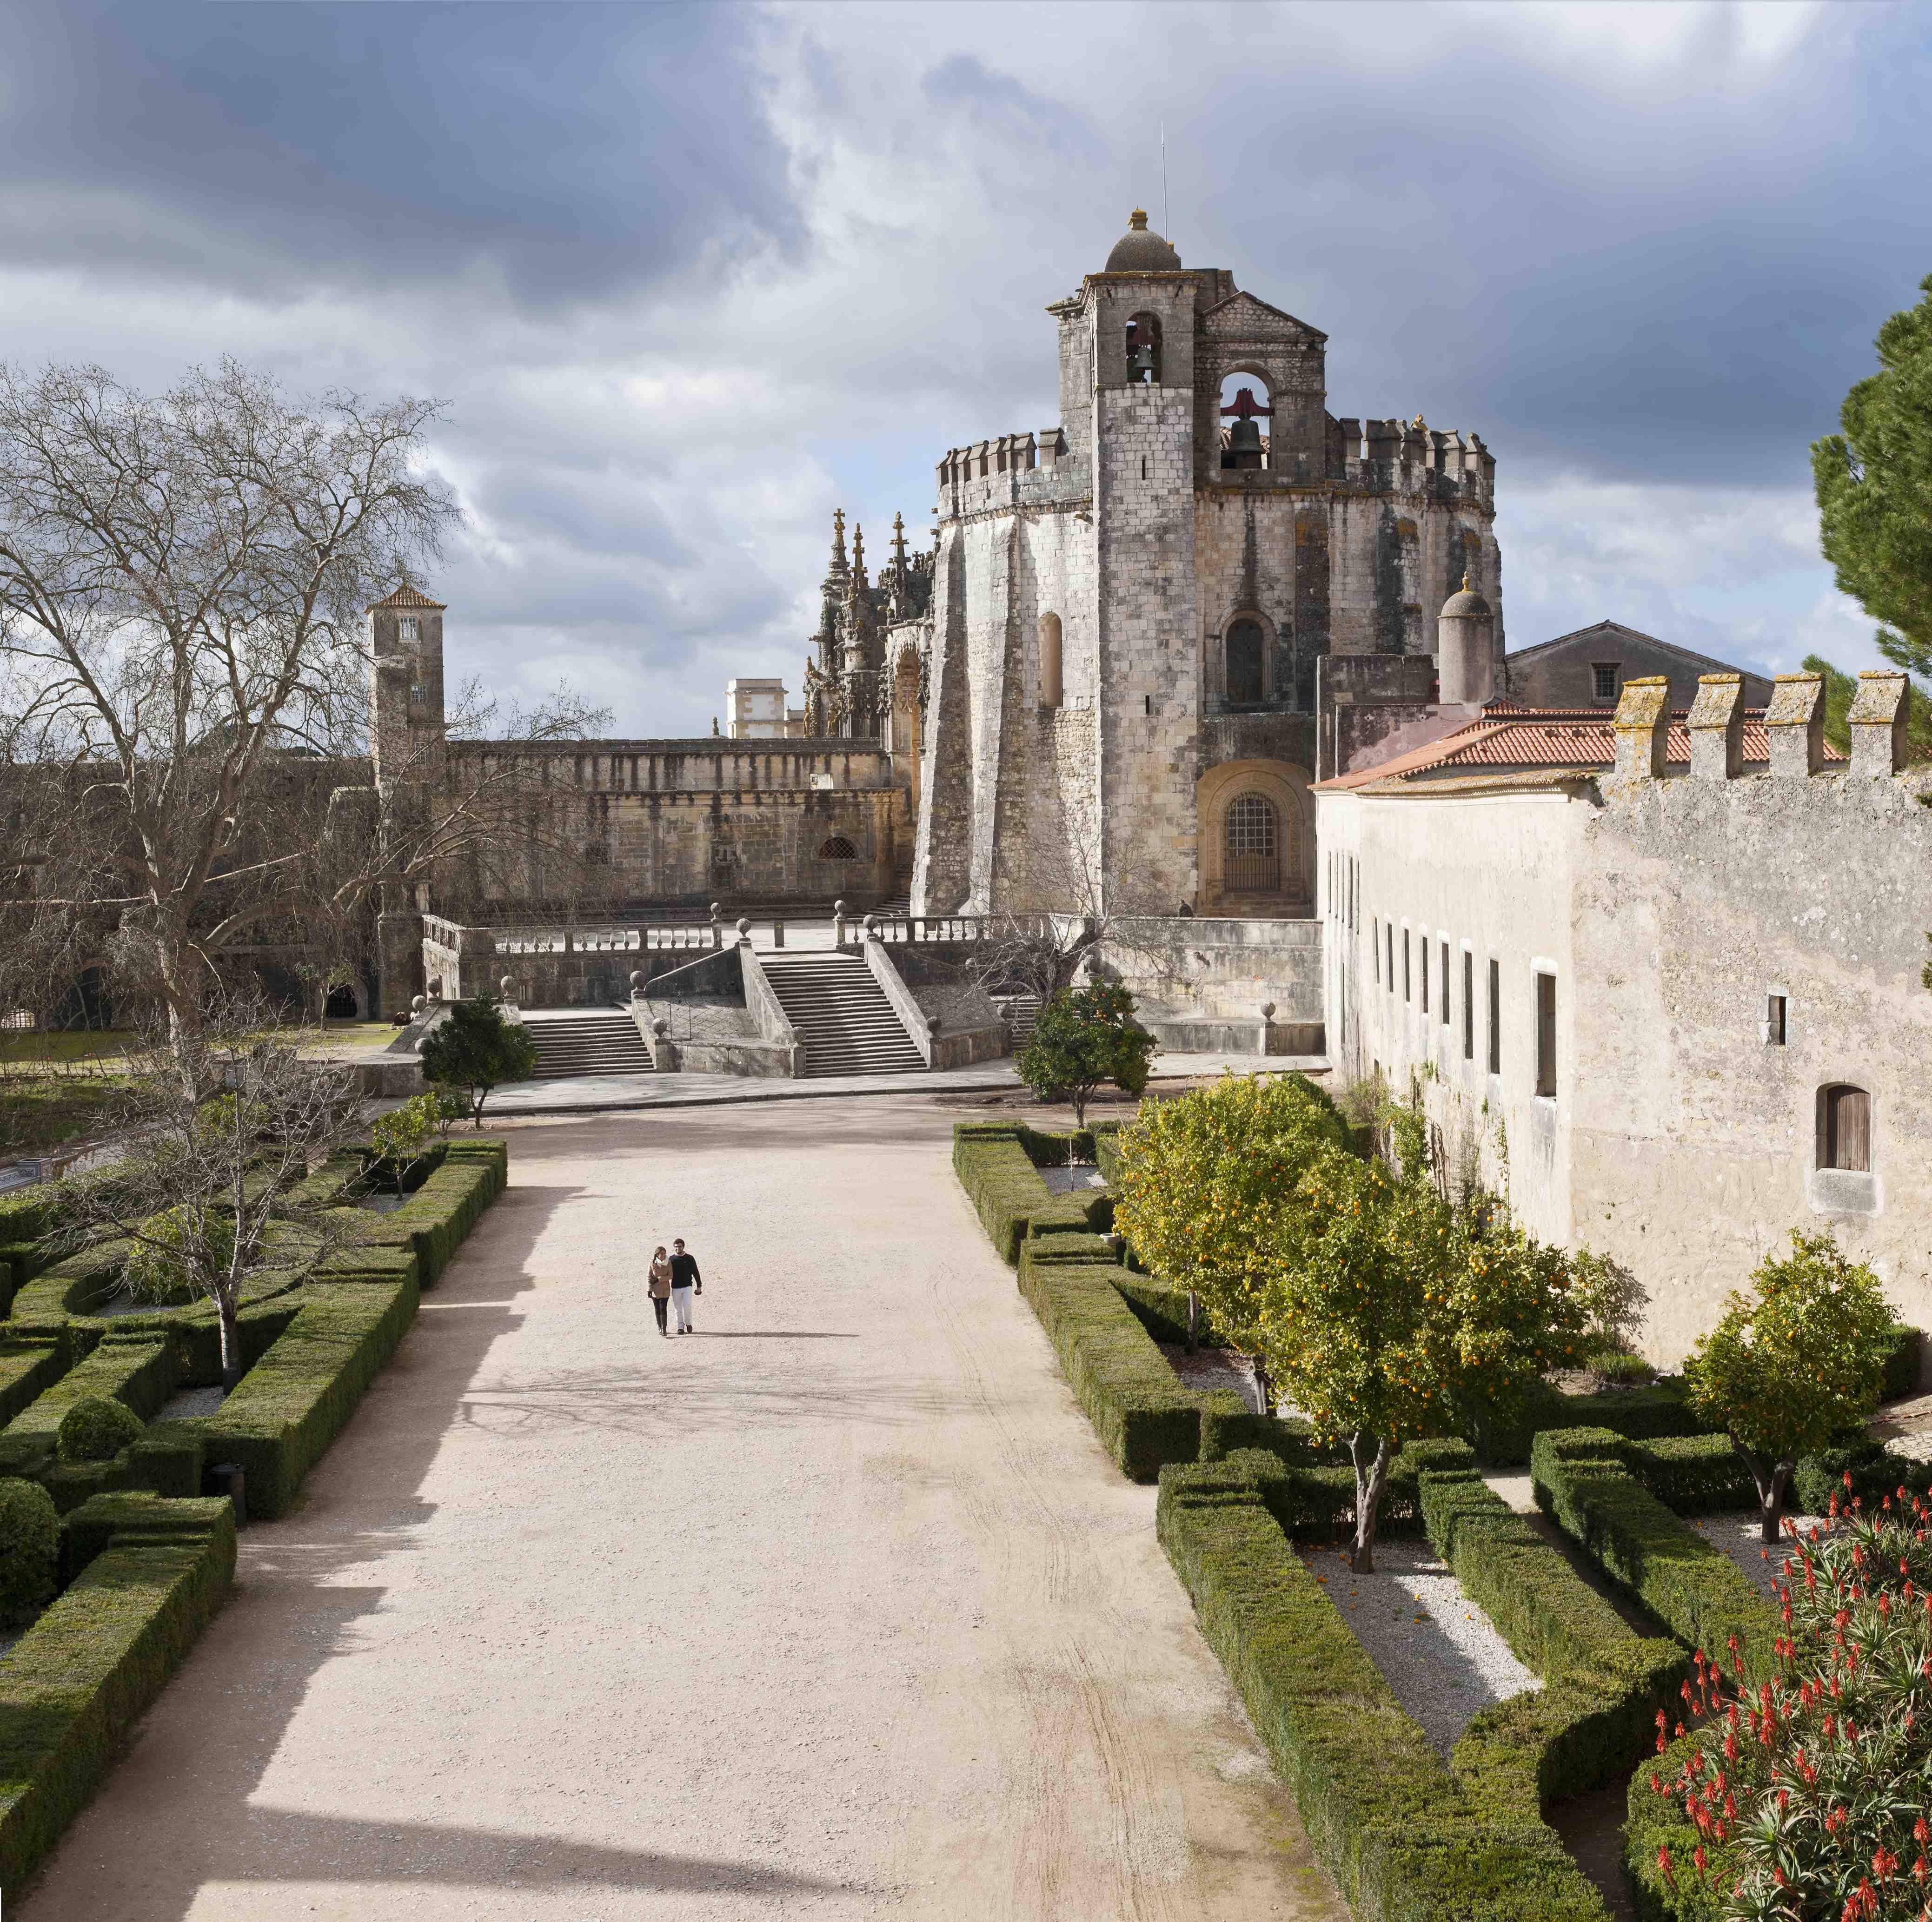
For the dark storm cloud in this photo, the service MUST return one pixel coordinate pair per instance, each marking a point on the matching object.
(570, 153)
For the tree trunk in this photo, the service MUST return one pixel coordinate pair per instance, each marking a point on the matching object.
(231, 1342)
(1193, 1322)
(1371, 1458)
(1771, 1478)
(1264, 1386)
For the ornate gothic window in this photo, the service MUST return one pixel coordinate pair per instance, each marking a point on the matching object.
(1245, 648)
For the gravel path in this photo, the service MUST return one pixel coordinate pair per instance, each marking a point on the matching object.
(1439, 1653)
(1742, 1537)
(835, 1609)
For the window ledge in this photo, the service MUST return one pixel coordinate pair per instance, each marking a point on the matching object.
(1839, 1190)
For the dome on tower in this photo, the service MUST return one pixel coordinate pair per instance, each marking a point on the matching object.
(1141, 250)
(1467, 601)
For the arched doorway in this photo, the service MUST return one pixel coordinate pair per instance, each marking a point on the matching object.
(1257, 838)
(340, 1005)
(1252, 863)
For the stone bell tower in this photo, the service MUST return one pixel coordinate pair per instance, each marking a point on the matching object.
(1138, 315)
(406, 710)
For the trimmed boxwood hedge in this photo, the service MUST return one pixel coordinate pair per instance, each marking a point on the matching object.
(1143, 1416)
(431, 1225)
(1594, 1484)
(294, 1400)
(29, 1368)
(1642, 1414)
(1407, 1839)
(998, 1164)
(150, 1574)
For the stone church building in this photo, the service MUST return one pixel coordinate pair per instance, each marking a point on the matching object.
(1130, 607)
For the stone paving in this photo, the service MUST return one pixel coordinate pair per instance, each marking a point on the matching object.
(834, 1609)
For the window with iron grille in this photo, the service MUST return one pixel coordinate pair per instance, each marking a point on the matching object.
(1603, 679)
(1251, 826)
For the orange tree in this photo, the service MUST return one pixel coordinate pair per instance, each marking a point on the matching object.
(1794, 1366)
(1398, 1314)
(1207, 1189)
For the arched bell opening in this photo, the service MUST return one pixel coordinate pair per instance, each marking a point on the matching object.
(1245, 404)
(1144, 350)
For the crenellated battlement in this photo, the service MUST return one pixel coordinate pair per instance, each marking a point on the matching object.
(1408, 457)
(1793, 725)
(1007, 471)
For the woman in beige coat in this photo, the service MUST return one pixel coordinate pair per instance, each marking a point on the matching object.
(661, 1287)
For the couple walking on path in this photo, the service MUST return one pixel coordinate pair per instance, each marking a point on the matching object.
(673, 1281)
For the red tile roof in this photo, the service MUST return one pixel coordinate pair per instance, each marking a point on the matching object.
(407, 596)
(1555, 740)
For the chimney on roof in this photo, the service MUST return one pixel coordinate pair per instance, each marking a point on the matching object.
(1642, 723)
(1879, 712)
(1796, 722)
(1717, 728)
(1466, 648)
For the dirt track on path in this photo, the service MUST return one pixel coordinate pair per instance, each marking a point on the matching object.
(834, 1609)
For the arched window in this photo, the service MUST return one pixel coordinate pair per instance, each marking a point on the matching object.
(1144, 351)
(1050, 694)
(1245, 647)
(838, 848)
(1247, 413)
(1253, 865)
(1844, 1128)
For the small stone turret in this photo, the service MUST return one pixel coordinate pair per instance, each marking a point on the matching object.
(1466, 648)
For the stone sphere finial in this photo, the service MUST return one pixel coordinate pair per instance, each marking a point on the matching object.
(507, 986)
(839, 907)
(871, 924)
(660, 1028)
(744, 926)
(637, 981)
(717, 910)
(1267, 1011)
(421, 1002)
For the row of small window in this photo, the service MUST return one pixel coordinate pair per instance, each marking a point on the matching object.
(1344, 889)
(1415, 986)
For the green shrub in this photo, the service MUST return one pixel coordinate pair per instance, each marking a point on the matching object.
(156, 1267)
(432, 1224)
(1085, 1038)
(1002, 1183)
(475, 1050)
(1142, 1414)
(1404, 1836)
(1584, 1479)
(287, 1409)
(96, 1429)
(27, 1370)
(29, 1549)
(1903, 1360)
(1612, 1368)
(1662, 1408)
(84, 1674)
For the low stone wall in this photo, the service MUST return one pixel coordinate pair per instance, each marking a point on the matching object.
(1227, 971)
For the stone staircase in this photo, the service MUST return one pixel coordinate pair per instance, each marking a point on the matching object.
(842, 1014)
(1020, 1012)
(604, 1042)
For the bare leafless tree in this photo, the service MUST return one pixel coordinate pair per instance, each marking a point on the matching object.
(182, 581)
(218, 1125)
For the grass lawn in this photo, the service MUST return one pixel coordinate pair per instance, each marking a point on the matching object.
(40, 1111)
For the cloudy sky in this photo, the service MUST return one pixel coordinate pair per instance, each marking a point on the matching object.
(688, 277)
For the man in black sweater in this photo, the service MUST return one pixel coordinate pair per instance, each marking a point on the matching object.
(685, 1282)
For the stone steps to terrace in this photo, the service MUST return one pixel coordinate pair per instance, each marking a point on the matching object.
(842, 1014)
(599, 1043)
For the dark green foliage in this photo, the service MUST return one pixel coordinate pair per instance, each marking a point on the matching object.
(432, 1224)
(1903, 1363)
(280, 1421)
(476, 1050)
(1584, 1479)
(1659, 1410)
(96, 1428)
(1085, 1038)
(1107, 1151)
(1143, 1416)
(27, 1370)
(140, 1372)
(83, 1674)
(1873, 482)
(1163, 1312)
(29, 1549)
(1002, 1180)
(1404, 1836)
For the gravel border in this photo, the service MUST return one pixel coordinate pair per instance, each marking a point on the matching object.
(1741, 1537)
(191, 1402)
(1074, 1178)
(1443, 1658)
